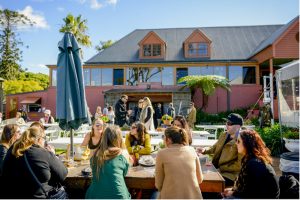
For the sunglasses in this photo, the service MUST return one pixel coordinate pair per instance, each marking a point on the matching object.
(98, 125)
(229, 124)
(133, 127)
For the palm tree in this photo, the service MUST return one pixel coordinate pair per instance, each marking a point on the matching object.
(207, 84)
(78, 27)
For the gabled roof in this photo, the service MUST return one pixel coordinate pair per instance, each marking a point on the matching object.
(273, 37)
(228, 43)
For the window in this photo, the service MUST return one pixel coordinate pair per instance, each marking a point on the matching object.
(220, 71)
(95, 77)
(87, 77)
(152, 50)
(107, 74)
(198, 49)
(118, 77)
(132, 76)
(249, 75)
(54, 76)
(167, 76)
(235, 75)
(34, 107)
(208, 70)
(181, 72)
(194, 71)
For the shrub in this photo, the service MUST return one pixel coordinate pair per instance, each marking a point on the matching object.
(272, 138)
(291, 134)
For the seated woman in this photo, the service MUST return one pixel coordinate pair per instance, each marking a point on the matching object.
(19, 119)
(48, 169)
(92, 139)
(257, 179)
(109, 165)
(47, 119)
(10, 134)
(178, 170)
(138, 140)
(180, 122)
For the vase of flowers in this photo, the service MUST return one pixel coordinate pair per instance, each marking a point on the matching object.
(104, 118)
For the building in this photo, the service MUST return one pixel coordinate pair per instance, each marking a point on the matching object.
(148, 62)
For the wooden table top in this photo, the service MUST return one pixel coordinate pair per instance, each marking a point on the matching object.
(144, 178)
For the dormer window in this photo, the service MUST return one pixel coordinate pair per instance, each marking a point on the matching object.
(197, 45)
(152, 50)
(198, 49)
(152, 47)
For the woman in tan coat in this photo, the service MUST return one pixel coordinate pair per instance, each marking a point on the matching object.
(178, 170)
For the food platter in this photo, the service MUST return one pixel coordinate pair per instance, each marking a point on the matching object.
(147, 161)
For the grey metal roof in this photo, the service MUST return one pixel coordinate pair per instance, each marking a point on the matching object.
(228, 43)
(273, 37)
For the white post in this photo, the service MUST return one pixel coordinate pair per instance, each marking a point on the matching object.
(272, 90)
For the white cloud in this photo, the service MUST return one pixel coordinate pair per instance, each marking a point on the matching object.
(38, 18)
(112, 2)
(95, 4)
(60, 9)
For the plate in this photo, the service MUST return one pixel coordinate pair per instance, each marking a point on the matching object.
(146, 164)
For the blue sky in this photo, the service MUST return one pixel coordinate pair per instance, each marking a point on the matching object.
(113, 19)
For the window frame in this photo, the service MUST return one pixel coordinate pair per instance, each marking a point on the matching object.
(197, 49)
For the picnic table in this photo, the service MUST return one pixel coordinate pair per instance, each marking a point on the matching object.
(140, 177)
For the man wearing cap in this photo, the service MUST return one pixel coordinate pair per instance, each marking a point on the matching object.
(225, 154)
(47, 119)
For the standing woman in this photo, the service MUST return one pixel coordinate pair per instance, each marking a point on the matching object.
(147, 114)
(109, 165)
(178, 171)
(10, 134)
(138, 140)
(180, 122)
(49, 170)
(111, 115)
(257, 178)
(92, 139)
(98, 112)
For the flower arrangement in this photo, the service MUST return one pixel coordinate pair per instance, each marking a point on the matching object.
(104, 118)
(166, 117)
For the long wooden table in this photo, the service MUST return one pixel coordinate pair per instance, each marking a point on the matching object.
(140, 177)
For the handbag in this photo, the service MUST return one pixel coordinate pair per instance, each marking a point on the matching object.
(55, 193)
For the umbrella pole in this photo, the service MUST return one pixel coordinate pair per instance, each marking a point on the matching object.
(72, 145)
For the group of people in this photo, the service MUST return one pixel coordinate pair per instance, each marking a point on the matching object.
(240, 156)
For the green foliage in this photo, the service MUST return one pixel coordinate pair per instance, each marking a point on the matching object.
(207, 84)
(13, 87)
(253, 121)
(166, 117)
(291, 134)
(10, 54)
(42, 79)
(78, 27)
(272, 138)
(206, 118)
(104, 45)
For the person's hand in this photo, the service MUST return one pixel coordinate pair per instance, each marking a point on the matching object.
(227, 192)
(50, 148)
(200, 150)
(129, 112)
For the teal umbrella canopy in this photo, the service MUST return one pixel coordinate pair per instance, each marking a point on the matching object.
(71, 106)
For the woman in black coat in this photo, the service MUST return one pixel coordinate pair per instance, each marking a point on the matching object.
(257, 179)
(49, 170)
(121, 111)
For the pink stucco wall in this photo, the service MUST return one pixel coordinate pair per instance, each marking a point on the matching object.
(240, 96)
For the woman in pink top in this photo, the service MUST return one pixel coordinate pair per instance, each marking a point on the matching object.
(178, 171)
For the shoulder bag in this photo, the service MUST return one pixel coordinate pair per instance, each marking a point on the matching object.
(55, 193)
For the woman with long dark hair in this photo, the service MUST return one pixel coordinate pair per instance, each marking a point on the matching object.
(257, 178)
(181, 122)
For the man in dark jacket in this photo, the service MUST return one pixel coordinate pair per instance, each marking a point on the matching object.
(121, 111)
(157, 115)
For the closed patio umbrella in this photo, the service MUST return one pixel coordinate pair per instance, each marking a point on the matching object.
(71, 106)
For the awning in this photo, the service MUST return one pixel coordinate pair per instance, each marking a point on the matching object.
(29, 100)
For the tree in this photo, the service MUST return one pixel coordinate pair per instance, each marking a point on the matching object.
(14, 87)
(41, 79)
(78, 28)
(9, 50)
(207, 84)
(104, 45)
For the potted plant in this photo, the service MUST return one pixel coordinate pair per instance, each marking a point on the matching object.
(291, 139)
(167, 119)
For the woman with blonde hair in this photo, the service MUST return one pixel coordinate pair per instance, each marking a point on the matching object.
(147, 114)
(98, 112)
(48, 169)
(109, 165)
(92, 139)
(10, 134)
(178, 162)
(19, 119)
